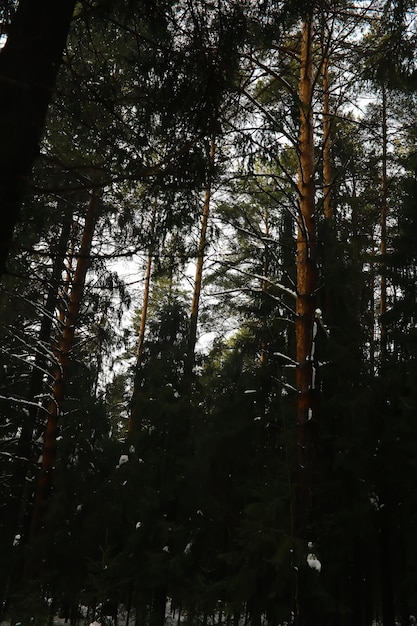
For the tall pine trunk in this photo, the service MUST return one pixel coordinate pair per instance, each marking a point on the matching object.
(29, 63)
(305, 325)
(62, 354)
(307, 281)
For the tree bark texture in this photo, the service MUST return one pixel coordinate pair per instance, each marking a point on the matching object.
(62, 353)
(307, 281)
(29, 63)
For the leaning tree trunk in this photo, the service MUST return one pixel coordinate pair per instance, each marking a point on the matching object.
(199, 264)
(29, 63)
(307, 283)
(62, 354)
(133, 417)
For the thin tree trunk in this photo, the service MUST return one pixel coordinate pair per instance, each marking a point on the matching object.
(144, 314)
(372, 322)
(65, 344)
(200, 262)
(327, 164)
(403, 569)
(383, 244)
(69, 273)
(383, 519)
(384, 514)
(384, 525)
(29, 63)
(157, 617)
(356, 583)
(133, 417)
(264, 289)
(141, 340)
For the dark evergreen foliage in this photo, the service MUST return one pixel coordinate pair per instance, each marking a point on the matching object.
(194, 511)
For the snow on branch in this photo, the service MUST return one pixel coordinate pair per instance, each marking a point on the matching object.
(21, 401)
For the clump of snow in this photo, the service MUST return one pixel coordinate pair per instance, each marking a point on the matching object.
(188, 547)
(165, 549)
(375, 501)
(313, 378)
(319, 318)
(123, 459)
(95, 623)
(313, 562)
(138, 525)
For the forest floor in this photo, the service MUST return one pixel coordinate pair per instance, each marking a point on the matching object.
(172, 618)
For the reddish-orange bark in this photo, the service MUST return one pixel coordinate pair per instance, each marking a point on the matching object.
(62, 354)
(306, 276)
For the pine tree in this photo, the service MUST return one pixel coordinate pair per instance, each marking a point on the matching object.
(65, 343)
